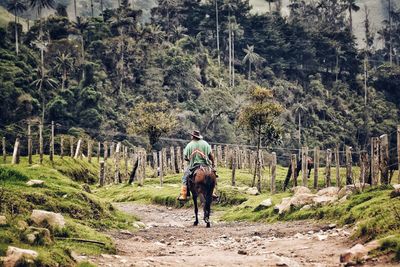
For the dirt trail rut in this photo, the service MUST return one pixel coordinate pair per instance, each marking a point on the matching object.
(169, 239)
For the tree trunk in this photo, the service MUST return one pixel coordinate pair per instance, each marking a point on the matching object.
(230, 49)
(270, 9)
(217, 21)
(249, 70)
(351, 20)
(91, 7)
(76, 13)
(233, 59)
(16, 34)
(299, 131)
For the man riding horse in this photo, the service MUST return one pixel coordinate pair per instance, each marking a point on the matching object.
(198, 153)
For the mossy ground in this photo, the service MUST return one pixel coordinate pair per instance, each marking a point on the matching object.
(87, 216)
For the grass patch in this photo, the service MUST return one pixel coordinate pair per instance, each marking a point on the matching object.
(87, 215)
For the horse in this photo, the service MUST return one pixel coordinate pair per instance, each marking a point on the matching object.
(202, 184)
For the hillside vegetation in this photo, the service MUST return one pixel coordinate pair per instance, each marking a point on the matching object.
(97, 69)
(87, 216)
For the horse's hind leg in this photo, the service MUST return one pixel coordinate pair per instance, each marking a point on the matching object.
(207, 208)
(196, 209)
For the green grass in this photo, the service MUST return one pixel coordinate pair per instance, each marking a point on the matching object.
(86, 214)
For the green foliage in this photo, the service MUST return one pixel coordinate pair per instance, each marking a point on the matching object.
(152, 119)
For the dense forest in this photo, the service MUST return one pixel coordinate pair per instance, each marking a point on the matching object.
(196, 62)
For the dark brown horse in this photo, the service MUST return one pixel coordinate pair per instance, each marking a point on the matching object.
(202, 184)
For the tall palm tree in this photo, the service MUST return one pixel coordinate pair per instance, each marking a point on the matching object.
(44, 82)
(299, 109)
(42, 4)
(217, 22)
(229, 5)
(351, 6)
(81, 25)
(16, 7)
(64, 63)
(251, 57)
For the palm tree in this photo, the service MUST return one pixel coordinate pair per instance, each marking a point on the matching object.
(16, 7)
(41, 4)
(64, 63)
(251, 57)
(81, 25)
(230, 6)
(351, 5)
(299, 109)
(269, 4)
(44, 81)
(217, 22)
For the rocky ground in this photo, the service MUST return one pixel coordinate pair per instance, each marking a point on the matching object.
(169, 239)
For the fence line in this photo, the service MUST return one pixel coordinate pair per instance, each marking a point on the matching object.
(377, 164)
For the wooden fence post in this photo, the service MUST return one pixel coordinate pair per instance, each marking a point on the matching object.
(78, 149)
(173, 161)
(294, 168)
(71, 143)
(89, 150)
(316, 166)
(398, 154)
(117, 176)
(29, 143)
(179, 159)
(384, 158)
(337, 167)
(349, 167)
(234, 162)
(40, 143)
(161, 160)
(273, 173)
(4, 150)
(112, 150)
(105, 151)
(52, 142)
(101, 174)
(328, 168)
(15, 156)
(164, 160)
(364, 168)
(62, 146)
(155, 163)
(126, 162)
(98, 151)
(304, 172)
(374, 161)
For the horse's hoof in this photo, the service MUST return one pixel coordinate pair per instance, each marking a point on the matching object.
(195, 223)
(208, 225)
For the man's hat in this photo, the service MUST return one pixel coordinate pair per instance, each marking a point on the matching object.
(196, 134)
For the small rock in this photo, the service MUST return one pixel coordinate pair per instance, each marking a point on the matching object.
(306, 207)
(40, 236)
(300, 190)
(321, 237)
(310, 232)
(78, 258)
(22, 225)
(356, 254)
(41, 217)
(324, 200)
(264, 205)
(125, 232)
(332, 226)
(242, 252)
(252, 191)
(396, 186)
(35, 183)
(3, 220)
(19, 256)
(329, 191)
(299, 236)
(395, 193)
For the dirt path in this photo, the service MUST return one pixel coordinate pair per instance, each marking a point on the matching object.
(169, 239)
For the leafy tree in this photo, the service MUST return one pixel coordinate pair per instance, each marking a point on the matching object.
(16, 7)
(153, 119)
(260, 117)
(44, 83)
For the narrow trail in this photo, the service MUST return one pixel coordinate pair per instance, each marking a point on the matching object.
(169, 239)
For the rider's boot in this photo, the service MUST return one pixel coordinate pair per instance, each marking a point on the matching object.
(183, 196)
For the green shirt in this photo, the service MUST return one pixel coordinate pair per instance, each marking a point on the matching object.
(197, 152)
